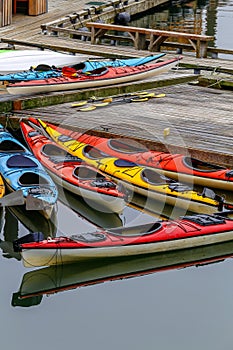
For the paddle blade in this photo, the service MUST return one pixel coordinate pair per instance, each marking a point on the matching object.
(148, 95)
(107, 99)
(11, 199)
(79, 104)
(139, 99)
(87, 109)
(101, 104)
(159, 95)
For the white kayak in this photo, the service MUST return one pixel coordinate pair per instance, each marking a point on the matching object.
(20, 60)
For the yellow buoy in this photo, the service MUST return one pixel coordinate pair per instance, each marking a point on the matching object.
(166, 132)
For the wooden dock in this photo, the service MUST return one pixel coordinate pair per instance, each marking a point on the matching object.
(197, 120)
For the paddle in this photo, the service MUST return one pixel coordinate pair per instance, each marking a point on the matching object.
(11, 199)
(38, 128)
(122, 100)
(108, 99)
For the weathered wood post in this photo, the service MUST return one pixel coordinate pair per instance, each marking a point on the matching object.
(5, 12)
(37, 7)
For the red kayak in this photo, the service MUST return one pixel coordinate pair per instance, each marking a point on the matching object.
(177, 166)
(73, 174)
(187, 232)
(60, 278)
(99, 77)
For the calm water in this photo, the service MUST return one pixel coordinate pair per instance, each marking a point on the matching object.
(213, 18)
(166, 308)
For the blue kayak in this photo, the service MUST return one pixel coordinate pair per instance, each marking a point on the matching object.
(130, 62)
(44, 71)
(21, 171)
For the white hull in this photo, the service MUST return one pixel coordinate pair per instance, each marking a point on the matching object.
(21, 60)
(44, 208)
(59, 278)
(47, 212)
(32, 89)
(183, 203)
(47, 257)
(103, 202)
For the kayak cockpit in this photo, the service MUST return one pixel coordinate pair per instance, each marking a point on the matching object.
(32, 179)
(126, 146)
(97, 72)
(53, 150)
(94, 153)
(78, 66)
(139, 230)
(10, 146)
(200, 165)
(153, 177)
(85, 173)
(58, 155)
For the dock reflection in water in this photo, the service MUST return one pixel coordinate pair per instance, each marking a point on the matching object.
(61, 278)
(16, 221)
(10, 229)
(73, 215)
(78, 205)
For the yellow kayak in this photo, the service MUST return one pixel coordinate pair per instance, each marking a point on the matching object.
(2, 187)
(143, 180)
